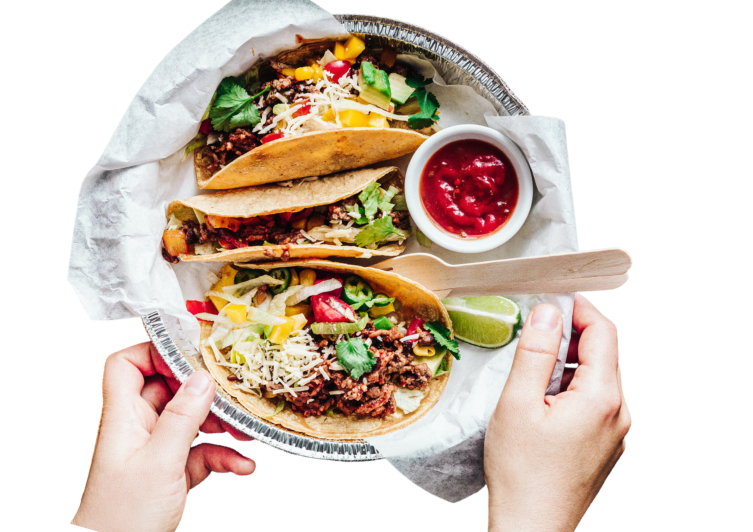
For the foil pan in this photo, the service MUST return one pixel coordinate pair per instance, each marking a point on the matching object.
(458, 67)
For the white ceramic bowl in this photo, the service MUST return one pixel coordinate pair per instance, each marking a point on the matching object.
(416, 207)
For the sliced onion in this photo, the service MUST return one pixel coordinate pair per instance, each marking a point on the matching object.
(307, 292)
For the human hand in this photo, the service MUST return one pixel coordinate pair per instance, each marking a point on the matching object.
(547, 456)
(143, 464)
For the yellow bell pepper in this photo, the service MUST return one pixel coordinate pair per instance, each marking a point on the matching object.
(318, 71)
(227, 278)
(304, 73)
(293, 277)
(376, 120)
(280, 333)
(353, 47)
(300, 308)
(339, 51)
(237, 313)
(375, 311)
(299, 224)
(351, 118)
(307, 277)
(329, 115)
(300, 321)
(288, 71)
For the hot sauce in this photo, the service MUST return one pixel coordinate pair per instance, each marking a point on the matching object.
(469, 188)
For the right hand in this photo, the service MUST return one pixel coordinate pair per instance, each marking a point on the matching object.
(547, 456)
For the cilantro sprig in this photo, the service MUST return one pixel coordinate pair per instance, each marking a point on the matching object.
(353, 354)
(377, 231)
(426, 101)
(233, 107)
(442, 335)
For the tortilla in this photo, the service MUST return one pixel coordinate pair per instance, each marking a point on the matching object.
(315, 153)
(417, 302)
(271, 199)
(309, 154)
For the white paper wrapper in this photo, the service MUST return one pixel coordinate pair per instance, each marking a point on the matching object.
(116, 265)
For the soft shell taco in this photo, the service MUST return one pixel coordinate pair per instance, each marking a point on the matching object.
(322, 108)
(327, 349)
(361, 213)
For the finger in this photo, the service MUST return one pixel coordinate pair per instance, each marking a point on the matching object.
(159, 363)
(156, 393)
(179, 422)
(124, 374)
(597, 347)
(572, 358)
(536, 354)
(206, 458)
(214, 425)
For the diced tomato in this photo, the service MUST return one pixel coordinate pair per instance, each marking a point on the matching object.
(300, 215)
(223, 221)
(197, 307)
(271, 137)
(225, 244)
(284, 216)
(267, 217)
(251, 221)
(306, 109)
(328, 309)
(337, 69)
(206, 126)
(337, 292)
(415, 326)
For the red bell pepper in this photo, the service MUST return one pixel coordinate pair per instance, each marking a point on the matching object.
(300, 215)
(271, 137)
(328, 309)
(306, 109)
(197, 307)
(284, 216)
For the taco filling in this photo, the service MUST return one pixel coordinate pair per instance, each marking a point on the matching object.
(376, 216)
(346, 86)
(319, 343)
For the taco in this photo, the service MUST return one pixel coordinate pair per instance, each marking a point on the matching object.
(322, 108)
(361, 213)
(326, 349)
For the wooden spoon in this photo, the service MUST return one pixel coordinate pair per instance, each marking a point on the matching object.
(552, 274)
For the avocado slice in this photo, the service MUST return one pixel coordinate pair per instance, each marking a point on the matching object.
(399, 88)
(375, 85)
(434, 362)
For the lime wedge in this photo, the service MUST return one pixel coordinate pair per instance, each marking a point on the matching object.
(487, 321)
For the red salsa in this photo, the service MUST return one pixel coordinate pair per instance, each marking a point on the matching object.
(469, 188)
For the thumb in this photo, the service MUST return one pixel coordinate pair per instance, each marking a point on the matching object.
(179, 422)
(536, 354)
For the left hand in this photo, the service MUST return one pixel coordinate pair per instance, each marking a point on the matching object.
(143, 464)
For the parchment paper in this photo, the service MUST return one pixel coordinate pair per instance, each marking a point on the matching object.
(116, 266)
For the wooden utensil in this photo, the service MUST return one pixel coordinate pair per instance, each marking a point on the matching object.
(570, 272)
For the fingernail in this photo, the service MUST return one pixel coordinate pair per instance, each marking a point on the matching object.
(197, 383)
(545, 318)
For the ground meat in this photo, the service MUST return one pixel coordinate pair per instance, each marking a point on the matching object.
(313, 402)
(413, 377)
(229, 147)
(374, 406)
(279, 236)
(254, 233)
(169, 258)
(401, 219)
(367, 56)
(425, 338)
(338, 213)
(403, 70)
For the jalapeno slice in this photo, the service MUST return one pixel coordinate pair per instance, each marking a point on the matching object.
(245, 274)
(382, 300)
(356, 291)
(284, 275)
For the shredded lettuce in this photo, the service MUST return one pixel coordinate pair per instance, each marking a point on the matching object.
(408, 400)
(340, 327)
(308, 291)
(199, 141)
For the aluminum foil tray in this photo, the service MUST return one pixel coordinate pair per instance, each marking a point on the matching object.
(458, 67)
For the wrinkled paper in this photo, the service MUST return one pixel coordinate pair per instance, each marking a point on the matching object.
(116, 265)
